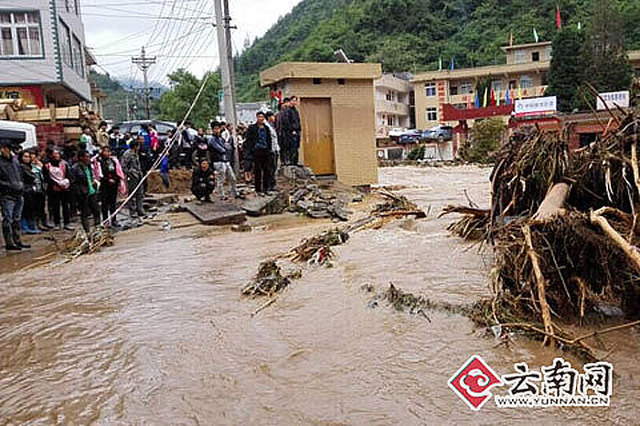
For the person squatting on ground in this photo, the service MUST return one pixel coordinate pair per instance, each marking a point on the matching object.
(85, 188)
(257, 153)
(30, 181)
(107, 171)
(11, 201)
(203, 181)
(219, 155)
(275, 150)
(133, 172)
(56, 174)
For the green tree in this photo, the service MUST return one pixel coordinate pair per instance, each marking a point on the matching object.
(566, 71)
(484, 139)
(608, 65)
(184, 87)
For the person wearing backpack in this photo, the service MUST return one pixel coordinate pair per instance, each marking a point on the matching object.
(56, 174)
(257, 153)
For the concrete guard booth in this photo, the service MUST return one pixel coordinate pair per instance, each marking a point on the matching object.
(337, 113)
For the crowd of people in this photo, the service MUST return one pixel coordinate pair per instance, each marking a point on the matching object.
(44, 189)
(272, 140)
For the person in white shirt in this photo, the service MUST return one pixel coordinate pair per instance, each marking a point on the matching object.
(275, 149)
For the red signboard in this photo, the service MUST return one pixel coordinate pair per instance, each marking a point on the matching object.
(32, 95)
(451, 113)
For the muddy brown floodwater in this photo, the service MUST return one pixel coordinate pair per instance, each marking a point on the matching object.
(154, 331)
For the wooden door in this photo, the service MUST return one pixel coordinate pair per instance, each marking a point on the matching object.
(317, 135)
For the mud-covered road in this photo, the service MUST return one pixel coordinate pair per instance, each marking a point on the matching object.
(154, 331)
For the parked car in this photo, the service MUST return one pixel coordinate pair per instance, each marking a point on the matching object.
(134, 127)
(396, 132)
(22, 133)
(438, 134)
(411, 136)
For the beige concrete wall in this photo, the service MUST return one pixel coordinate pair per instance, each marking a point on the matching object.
(353, 116)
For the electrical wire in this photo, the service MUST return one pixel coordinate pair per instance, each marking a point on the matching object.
(174, 138)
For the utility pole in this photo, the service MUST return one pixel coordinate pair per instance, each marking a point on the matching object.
(144, 63)
(223, 29)
(128, 108)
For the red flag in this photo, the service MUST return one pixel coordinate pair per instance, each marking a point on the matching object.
(558, 17)
(493, 97)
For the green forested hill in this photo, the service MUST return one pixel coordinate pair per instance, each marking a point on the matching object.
(411, 35)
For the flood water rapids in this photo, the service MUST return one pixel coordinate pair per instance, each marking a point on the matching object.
(154, 331)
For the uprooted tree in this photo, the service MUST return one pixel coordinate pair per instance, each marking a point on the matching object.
(564, 230)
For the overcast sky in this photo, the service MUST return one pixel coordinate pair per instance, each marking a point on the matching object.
(178, 32)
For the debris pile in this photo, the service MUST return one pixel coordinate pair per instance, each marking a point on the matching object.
(83, 243)
(564, 228)
(318, 204)
(472, 226)
(317, 249)
(268, 281)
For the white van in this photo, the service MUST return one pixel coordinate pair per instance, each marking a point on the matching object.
(21, 131)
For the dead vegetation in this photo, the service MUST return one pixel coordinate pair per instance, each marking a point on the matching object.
(564, 230)
(268, 281)
(317, 250)
(83, 243)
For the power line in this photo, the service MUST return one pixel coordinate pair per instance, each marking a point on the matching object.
(202, 27)
(149, 17)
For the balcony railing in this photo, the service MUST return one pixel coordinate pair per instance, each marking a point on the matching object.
(530, 92)
(392, 107)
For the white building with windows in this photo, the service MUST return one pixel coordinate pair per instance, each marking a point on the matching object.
(42, 52)
(392, 98)
(449, 96)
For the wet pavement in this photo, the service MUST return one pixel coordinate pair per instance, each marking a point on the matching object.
(154, 331)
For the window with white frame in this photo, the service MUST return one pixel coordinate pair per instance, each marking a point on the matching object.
(390, 120)
(21, 34)
(526, 82)
(496, 85)
(78, 61)
(432, 114)
(65, 44)
(465, 88)
(430, 88)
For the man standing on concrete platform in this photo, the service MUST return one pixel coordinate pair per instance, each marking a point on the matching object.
(11, 201)
(291, 130)
(282, 139)
(257, 153)
(230, 143)
(275, 150)
(133, 171)
(219, 155)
